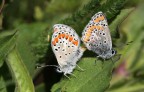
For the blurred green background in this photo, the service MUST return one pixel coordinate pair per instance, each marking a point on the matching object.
(33, 20)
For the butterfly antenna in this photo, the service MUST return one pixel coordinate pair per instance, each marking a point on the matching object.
(42, 66)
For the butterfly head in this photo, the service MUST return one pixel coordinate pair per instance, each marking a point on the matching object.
(108, 54)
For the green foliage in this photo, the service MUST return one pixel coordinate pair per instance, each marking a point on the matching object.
(19, 72)
(24, 44)
(115, 23)
(93, 76)
(131, 79)
(3, 86)
(81, 17)
(34, 20)
(99, 74)
(7, 42)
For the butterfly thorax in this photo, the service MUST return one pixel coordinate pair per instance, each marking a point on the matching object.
(67, 69)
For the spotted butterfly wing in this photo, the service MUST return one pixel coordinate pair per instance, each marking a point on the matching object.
(66, 47)
(96, 36)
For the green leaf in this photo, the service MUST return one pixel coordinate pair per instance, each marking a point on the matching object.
(40, 88)
(2, 85)
(7, 42)
(95, 78)
(100, 86)
(133, 85)
(19, 72)
(27, 36)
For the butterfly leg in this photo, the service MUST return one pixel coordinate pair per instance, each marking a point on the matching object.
(103, 63)
(80, 68)
(73, 75)
(96, 59)
(66, 76)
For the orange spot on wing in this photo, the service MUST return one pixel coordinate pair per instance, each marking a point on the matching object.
(86, 39)
(98, 27)
(88, 34)
(102, 18)
(63, 35)
(56, 39)
(96, 20)
(66, 36)
(53, 42)
(75, 43)
(70, 38)
(89, 31)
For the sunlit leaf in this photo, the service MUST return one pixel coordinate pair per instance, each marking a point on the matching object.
(19, 72)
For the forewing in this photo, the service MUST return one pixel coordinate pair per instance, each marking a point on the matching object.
(65, 43)
(96, 35)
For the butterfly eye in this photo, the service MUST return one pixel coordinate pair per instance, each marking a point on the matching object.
(113, 52)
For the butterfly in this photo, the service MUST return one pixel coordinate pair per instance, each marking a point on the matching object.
(65, 44)
(96, 37)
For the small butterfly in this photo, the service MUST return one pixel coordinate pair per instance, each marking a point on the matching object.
(65, 44)
(96, 36)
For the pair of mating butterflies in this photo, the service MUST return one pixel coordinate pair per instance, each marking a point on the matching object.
(66, 42)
